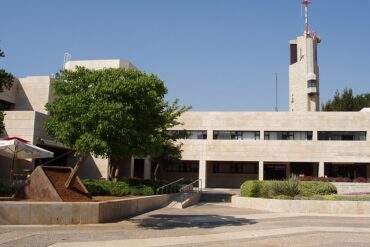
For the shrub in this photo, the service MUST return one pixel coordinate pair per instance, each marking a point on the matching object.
(360, 180)
(293, 188)
(342, 179)
(290, 187)
(323, 179)
(254, 188)
(147, 191)
(317, 188)
(96, 187)
(125, 187)
(118, 188)
(276, 189)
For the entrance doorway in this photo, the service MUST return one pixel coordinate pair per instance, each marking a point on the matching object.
(274, 172)
(139, 168)
(351, 171)
(304, 169)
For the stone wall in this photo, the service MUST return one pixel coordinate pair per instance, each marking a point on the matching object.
(63, 213)
(303, 206)
(348, 188)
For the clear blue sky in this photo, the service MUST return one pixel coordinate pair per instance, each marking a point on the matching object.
(216, 55)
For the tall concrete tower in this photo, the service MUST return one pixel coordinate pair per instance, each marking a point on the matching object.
(304, 90)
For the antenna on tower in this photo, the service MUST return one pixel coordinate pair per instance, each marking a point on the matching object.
(67, 57)
(305, 4)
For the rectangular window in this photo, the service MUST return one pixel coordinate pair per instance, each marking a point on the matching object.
(341, 135)
(235, 167)
(293, 53)
(196, 134)
(288, 135)
(311, 83)
(182, 167)
(236, 135)
(189, 134)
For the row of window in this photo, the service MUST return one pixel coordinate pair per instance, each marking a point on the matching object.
(240, 168)
(272, 135)
(182, 167)
(219, 167)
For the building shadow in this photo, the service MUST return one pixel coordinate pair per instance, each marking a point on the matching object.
(207, 221)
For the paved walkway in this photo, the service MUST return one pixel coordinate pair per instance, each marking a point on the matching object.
(200, 225)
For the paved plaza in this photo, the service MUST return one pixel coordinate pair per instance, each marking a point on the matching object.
(200, 225)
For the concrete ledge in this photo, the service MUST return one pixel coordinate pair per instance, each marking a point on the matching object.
(184, 200)
(62, 213)
(302, 206)
(347, 188)
(193, 199)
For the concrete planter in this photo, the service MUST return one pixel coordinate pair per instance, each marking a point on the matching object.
(61, 213)
(302, 206)
(347, 188)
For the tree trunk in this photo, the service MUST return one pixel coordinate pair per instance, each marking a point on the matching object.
(113, 168)
(71, 179)
(156, 170)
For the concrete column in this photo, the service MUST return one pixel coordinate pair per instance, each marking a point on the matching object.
(209, 134)
(315, 170)
(132, 166)
(287, 170)
(321, 169)
(203, 173)
(314, 136)
(260, 170)
(147, 168)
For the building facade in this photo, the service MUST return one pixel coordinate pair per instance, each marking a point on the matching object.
(223, 149)
(26, 114)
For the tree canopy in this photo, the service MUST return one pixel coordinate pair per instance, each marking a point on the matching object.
(6, 82)
(346, 101)
(113, 113)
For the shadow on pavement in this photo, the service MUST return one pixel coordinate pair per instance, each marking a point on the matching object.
(164, 221)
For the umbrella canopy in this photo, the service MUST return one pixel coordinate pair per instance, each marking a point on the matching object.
(19, 149)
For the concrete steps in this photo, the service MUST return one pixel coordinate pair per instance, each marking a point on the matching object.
(215, 197)
(184, 200)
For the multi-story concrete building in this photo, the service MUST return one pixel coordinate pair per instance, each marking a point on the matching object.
(26, 114)
(224, 149)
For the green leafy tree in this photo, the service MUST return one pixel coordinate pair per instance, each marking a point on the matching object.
(112, 113)
(6, 82)
(346, 101)
(167, 151)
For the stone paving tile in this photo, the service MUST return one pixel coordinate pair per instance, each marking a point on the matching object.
(202, 219)
(300, 240)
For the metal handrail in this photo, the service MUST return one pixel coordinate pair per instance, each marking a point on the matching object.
(190, 188)
(167, 185)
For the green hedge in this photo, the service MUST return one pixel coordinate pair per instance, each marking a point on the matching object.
(126, 187)
(255, 188)
(277, 189)
(311, 188)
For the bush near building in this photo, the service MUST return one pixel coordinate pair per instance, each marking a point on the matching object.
(335, 179)
(292, 188)
(130, 186)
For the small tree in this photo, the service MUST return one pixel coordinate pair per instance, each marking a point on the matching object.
(6, 82)
(168, 152)
(112, 113)
(346, 101)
